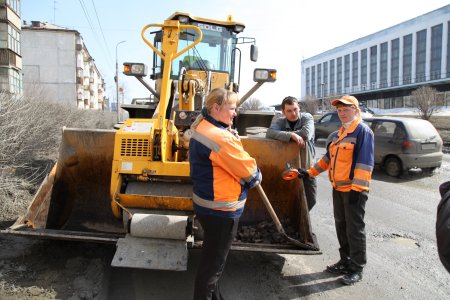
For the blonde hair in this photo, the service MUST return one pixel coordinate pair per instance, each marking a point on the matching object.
(218, 96)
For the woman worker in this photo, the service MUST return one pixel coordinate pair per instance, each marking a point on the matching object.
(222, 172)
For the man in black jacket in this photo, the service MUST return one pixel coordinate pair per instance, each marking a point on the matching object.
(443, 225)
(298, 127)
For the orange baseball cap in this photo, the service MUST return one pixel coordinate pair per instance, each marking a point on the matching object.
(349, 100)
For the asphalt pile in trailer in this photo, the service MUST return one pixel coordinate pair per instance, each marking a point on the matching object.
(265, 233)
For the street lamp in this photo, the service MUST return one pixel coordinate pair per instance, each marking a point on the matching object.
(117, 82)
(323, 95)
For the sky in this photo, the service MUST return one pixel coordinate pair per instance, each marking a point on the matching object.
(286, 31)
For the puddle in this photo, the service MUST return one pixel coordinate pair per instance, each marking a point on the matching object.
(397, 240)
(406, 242)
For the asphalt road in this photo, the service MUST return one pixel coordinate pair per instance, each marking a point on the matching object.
(402, 258)
(402, 255)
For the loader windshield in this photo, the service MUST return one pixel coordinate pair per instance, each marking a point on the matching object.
(213, 53)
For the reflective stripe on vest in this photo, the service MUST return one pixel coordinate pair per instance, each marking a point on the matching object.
(218, 204)
(343, 182)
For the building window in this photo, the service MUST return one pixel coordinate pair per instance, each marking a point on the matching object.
(319, 80)
(332, 77)
(347, 73)
(373, 66)
(325, 77)
(421, 51)
(339, 76)
(407, 58)
(436, 52)
(10, 81)
(363, 69)
(15, 82)
(4, 80)
(395, 62)
(13, 39)
(383, 64)
(354, 69)
(14, 5)
(313, 81)
(308, 78)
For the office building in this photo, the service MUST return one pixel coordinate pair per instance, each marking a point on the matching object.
(382, 69)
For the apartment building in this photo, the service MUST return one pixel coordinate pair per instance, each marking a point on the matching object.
(10, 47)
(57, 62)
(382, 69)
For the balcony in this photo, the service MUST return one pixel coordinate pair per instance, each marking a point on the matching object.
(8, 58)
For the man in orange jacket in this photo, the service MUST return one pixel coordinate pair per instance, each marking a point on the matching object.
(349, 161)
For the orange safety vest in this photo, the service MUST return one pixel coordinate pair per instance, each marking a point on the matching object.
(221, 170)
(349, 158)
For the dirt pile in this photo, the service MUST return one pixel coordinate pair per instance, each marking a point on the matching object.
(32, 269)
(265, 233)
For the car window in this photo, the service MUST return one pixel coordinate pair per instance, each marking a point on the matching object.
(335, 118)
(384, 129)
(326, 118)
(421, 129)
(399, 133)
(368, 123)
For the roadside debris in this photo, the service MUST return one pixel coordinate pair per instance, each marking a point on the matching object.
(265, 233)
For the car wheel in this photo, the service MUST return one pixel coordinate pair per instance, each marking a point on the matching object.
(393, 167)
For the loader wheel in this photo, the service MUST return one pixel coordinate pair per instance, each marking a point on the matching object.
(393, 167)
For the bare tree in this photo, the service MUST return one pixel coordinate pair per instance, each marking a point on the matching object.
(427, 101)
(252, 104)
(327, 101)
(310, 105)
(29, 139)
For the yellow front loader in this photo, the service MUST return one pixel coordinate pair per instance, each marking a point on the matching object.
(132, 187)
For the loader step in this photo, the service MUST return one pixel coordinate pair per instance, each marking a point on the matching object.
(146, 253)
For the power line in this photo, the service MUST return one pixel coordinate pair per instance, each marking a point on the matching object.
(54, 12)
(88, 18)
(86, 14)
(101, 29)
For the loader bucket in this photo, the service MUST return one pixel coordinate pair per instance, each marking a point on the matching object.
(73, 202)
(80, 199)
(287, 197)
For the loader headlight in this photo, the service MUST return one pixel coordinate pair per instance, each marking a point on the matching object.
(265, 75)
(183, 19)
(238, 28)
(134, 69)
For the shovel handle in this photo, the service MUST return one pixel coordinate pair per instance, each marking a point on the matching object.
(269, 207)
(278, 224)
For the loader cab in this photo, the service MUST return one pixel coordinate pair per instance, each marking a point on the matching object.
(217, 52)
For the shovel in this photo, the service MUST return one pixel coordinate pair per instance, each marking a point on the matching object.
(277, 222)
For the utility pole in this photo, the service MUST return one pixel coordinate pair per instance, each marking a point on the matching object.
(117, 83)
(54, 12)
(323, 96)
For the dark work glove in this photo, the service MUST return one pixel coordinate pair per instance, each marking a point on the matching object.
(357, 196)
(302, 173)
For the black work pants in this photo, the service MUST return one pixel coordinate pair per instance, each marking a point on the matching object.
(350, 228)
(310, 185)
(218, 236)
